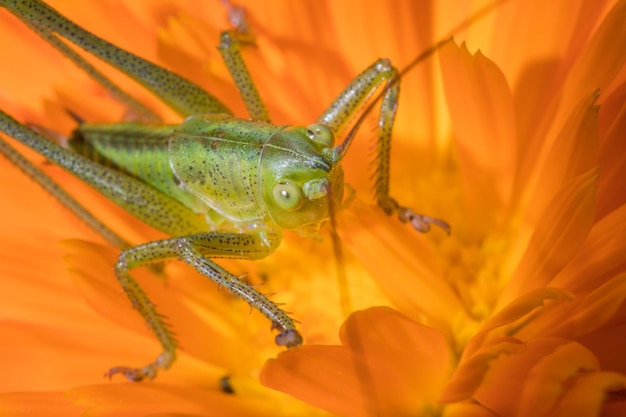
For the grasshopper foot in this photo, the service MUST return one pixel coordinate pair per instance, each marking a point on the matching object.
(149, 371)
(134, 374)
(288, 337)
(420, 222)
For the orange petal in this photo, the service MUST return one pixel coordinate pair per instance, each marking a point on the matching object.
(591, 396)
(600, 257)
(550, 376)
(403, 263)
(573, 153)
(590, 313)
(467, 409)
(609, 344)
(471, 371)
(31, 404)
(126, 400)
(602, 59)
(53, 357)
(508, 320)
(381, 332)
(592, 70)
(525, 33)
(481, 109)
(535, 378)
(23, 80)
(612, 159)
(188, 46)
(560, 232)
(395, 369)
(323, 376)
(86, 262)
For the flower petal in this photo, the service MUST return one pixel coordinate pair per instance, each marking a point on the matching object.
(601, 60)
(573, 153)
(397, 374)
(582, 78)
(601, 256)
(471, 371)
(159, 399)
(560, 232)
(524, 33)
(53, 357)
(187, 45)
(590, 393)
(591, 313)
(31, 404)
(535, 378)
(612, 159)
(481, 109)
(550, 376)
(508, 320)
(321, 376)
(467, 409)
(609, 344)
(381, 332)
(402, 262)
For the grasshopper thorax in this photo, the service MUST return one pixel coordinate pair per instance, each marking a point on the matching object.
(296, 176)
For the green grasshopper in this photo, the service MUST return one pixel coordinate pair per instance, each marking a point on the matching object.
(219, 185)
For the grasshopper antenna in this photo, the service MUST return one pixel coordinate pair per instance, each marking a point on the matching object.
(363, 369)
(79, 120)
(341, 150)
(467, 23)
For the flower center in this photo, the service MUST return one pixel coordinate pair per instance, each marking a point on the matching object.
(471, 260)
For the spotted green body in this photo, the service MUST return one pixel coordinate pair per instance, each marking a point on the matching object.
(218, 185)
(224, 169)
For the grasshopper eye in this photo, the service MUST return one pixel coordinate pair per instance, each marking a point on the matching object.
(321, 134)
(287, 196)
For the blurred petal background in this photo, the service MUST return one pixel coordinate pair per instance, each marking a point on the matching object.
(514, 134)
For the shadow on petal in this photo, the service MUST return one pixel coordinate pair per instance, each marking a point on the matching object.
(388, 365)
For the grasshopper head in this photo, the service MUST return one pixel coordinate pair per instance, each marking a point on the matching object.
(298, 178)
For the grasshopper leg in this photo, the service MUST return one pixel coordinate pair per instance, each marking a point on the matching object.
(350, 102)
(194, 250)
(164, 361)
(183, 96)
(229, 48)
(61, 195)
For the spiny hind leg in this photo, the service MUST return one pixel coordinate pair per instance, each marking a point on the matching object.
(350, 102)
(54, 189)
(183, 96)
(388, 108)
(133, 258)
(230, 49)
(194, 250)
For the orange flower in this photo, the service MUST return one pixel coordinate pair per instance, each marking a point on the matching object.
(528, 292)
(519, 312)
